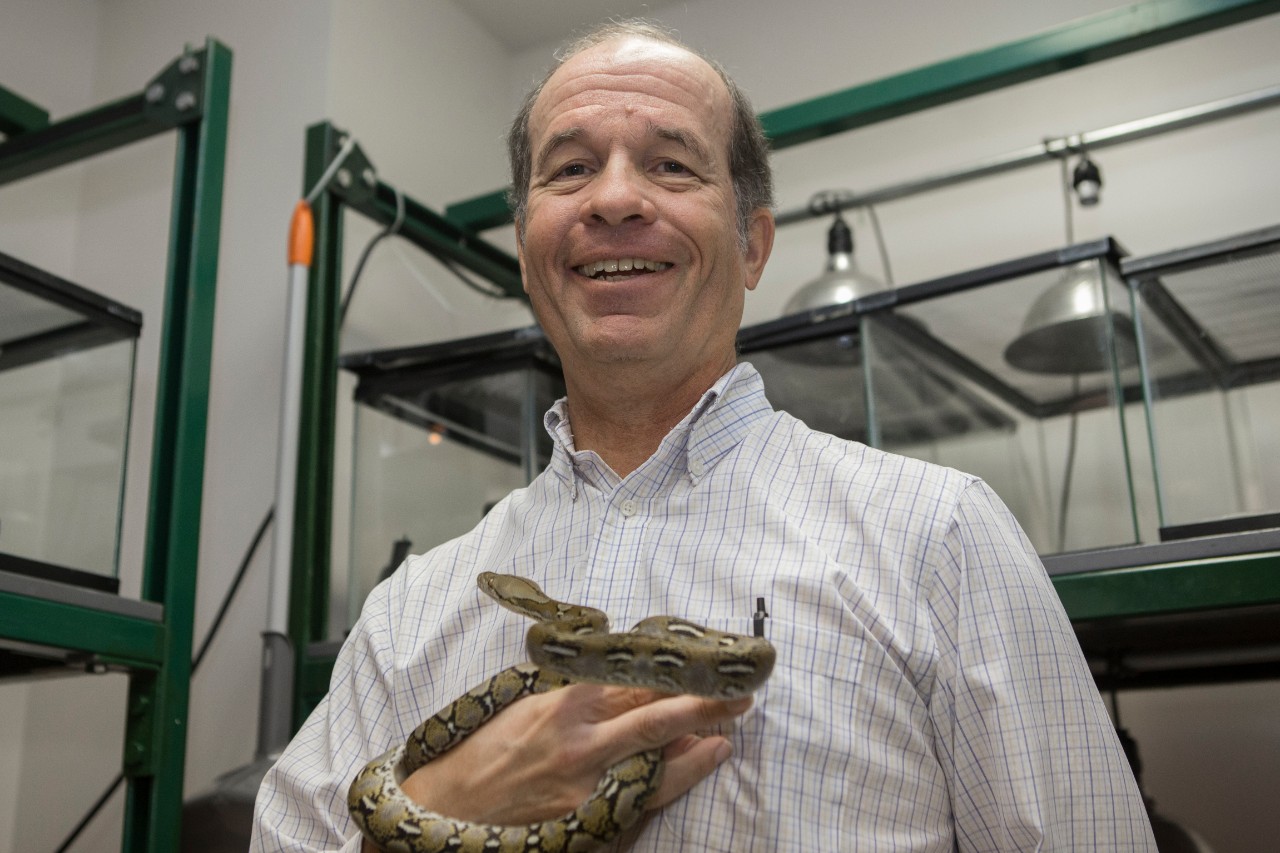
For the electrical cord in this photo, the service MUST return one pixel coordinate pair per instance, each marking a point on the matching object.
(1073, 424)
(393, 228)
(452, 267)
(880, 244)
(326, 176)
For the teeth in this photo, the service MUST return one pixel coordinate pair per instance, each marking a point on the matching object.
(622, 265)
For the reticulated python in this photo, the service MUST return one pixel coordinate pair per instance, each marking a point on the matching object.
(567, 643)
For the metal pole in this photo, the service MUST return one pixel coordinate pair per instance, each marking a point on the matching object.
(275, 723)
(1049, 149)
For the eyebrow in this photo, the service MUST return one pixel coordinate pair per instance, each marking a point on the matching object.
(680, 137)
(555, 142)
(684, 139)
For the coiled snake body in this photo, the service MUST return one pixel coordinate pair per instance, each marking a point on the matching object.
(567, 643)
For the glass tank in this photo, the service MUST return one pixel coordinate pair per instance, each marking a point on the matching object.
(66, 386)
(1024, 373)
(440, 434)
(1209, 323)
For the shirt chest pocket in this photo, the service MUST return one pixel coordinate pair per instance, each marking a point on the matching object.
(836, 730)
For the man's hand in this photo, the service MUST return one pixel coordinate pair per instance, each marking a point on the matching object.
(544, 755)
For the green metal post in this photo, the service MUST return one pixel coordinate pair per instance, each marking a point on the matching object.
(158, 705)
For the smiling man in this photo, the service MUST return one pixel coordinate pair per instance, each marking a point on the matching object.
(632, 162)
(928, 693)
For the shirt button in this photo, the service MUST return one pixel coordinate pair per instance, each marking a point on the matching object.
(696, 468)
(628, 508)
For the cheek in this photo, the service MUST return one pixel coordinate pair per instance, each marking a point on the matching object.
(547, 223)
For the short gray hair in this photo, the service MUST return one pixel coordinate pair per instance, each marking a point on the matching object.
(748, 148)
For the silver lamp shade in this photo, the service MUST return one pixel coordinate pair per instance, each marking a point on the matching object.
(1065, 331)
(842, 281)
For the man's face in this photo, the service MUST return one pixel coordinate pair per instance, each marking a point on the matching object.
(630, 249)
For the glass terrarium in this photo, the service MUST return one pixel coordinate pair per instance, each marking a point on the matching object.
(441, 433)
(66, 386)
(1024, 373)
(1209, 326)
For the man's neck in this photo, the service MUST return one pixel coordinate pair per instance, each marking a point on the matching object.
(625, 419)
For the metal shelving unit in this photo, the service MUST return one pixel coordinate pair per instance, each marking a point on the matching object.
(149, 638)
(1110, 603)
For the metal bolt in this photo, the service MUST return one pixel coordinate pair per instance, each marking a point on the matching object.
(155, 93)
(184, 101)
(343, 178)
(188, 64)
(370, 177)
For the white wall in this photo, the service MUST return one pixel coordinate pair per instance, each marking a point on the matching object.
(428, 95)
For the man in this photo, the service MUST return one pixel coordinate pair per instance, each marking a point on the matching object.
(929, 694)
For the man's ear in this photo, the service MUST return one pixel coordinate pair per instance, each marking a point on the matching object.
(760, 232)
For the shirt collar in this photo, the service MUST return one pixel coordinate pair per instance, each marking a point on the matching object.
(715, 425)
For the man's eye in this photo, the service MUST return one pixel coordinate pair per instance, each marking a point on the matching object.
(671, 167)
(573, 170)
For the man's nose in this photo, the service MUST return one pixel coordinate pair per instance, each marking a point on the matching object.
(619, 193)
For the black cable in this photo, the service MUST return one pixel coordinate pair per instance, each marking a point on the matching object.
(470, 282)
(880, 244)
(449, 264)
(1072, 430)
(393, 228)
(233, 589)
(92, 813)
(195, 664)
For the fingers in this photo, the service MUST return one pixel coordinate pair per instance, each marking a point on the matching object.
(660, 721)
(689, 761)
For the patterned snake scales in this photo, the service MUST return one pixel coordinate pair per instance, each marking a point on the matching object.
(568, 643)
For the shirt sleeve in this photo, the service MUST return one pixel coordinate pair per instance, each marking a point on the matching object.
(1030, 754)
(302, 804)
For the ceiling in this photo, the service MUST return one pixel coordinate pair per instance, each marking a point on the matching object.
(519, 24)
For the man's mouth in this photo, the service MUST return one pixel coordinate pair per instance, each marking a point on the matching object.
(620, 268)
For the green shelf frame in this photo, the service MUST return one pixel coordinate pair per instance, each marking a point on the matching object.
(18, 115)
(153, 641)
(359, 191)
(1224, 584)
(1244, 580)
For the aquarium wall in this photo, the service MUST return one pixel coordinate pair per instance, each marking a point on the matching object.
(66, 384)
(440, 434)
(1209, 322)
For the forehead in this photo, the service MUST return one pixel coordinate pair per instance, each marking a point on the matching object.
(659, 82)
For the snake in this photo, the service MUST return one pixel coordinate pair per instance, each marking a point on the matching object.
(567, 643)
